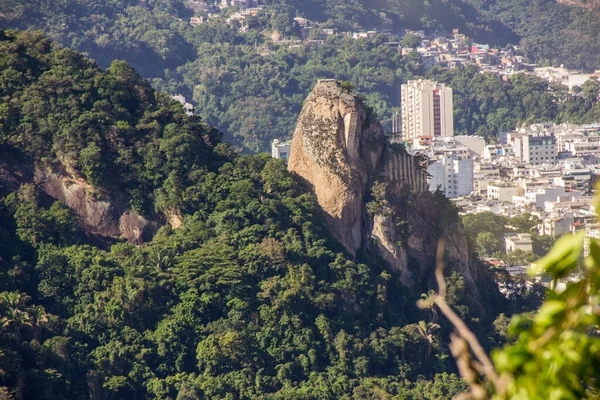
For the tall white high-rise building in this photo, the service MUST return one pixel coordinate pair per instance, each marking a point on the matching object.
(426, 110)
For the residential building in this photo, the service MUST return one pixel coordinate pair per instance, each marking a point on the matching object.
(536, 149)
(501, 191)
(426, 110)
(557, 226)
(451, 174)
(517, 241)
(538, 198)
(495, 151)
(280, 150)
(584, 146)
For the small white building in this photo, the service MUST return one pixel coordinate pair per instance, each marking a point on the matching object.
(538, 198)
(557, 226)
(518, 241)
(188, 107)
(280, 150)
(475, 144)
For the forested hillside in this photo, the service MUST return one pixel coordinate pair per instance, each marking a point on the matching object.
(552, 32)
(252, 89)
(249, 298)
(402, 14)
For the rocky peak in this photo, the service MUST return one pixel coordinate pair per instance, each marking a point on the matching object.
(336, 148)
(340, 150)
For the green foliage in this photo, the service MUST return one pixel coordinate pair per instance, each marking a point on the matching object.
(35, 224)
(484, 222)
(488, 244)
(525, 222)
(486, 231)
(520, 257)
(556, 353)
(541, 244)
(411, 41)
(92, 166)
(109, 127)
(380, 204)
(248, 299)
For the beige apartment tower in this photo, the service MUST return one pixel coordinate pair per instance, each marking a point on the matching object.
(426, 110)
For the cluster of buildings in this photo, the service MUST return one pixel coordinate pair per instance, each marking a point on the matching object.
(564, 76)
(425, 124)
(451, 51)
(548, 170)
(445, 50)
(542, 169)
(457, 50)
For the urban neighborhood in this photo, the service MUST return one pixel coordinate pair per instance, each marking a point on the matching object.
(547, 170)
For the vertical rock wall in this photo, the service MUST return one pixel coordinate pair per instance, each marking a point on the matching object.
(326, 153)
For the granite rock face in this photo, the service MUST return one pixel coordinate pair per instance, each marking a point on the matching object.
(336, 149)
(340, 150)
(102, 217)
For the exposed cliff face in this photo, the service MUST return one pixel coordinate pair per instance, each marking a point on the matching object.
(103, 217)
(99, 216)
(341, 152)
(336, 150)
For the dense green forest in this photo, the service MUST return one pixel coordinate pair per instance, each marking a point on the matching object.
(250, 298)
(252, 89)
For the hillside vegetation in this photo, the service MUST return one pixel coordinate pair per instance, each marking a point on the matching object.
(252, 90)
(250, 298)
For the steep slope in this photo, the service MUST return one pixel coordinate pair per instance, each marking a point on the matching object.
(329, 151)
(102, 142)
(341, 151)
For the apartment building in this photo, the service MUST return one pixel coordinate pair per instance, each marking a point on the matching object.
(451, 174)
(536, 149)
(426, 110)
